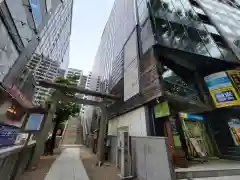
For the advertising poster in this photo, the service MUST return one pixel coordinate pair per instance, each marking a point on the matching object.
(222, 90)
(234, 127)
(235, 77)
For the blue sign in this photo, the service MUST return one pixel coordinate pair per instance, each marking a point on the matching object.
(36, 11)
(217, 81)
(34, 122)
(8, 135)
(225, 96)
(195, 117)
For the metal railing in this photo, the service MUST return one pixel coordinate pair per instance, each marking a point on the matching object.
(9, 157)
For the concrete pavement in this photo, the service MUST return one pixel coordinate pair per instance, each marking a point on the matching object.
(68, 166)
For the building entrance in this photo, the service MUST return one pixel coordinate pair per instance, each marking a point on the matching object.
(196, 135)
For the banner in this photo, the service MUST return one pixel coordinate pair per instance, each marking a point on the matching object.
(222, 90)
(161, 110)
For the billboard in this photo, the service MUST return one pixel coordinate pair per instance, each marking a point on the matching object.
(222, 90)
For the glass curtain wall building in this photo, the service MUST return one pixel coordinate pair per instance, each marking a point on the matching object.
(188, 33)
(191, 26)
(108, 63)
(53, 47)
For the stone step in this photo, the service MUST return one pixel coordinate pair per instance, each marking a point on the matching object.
(217, 178)
(213, 172)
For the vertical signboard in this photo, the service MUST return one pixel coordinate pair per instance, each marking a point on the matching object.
(222, 90)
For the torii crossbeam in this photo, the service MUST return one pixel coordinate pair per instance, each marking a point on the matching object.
(107, 99)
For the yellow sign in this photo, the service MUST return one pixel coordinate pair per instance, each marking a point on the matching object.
(224, 97)
(222, 90)
(235, 77)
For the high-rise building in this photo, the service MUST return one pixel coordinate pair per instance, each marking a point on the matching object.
(24, 26)
(156, 56)
(75, 72)
(53, 47)
(43, 68)
(55, 36)
(83, 81)
(61, 72)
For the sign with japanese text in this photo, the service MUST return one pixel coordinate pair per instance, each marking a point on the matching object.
(8, 135)
(234, 75)
(222, 90)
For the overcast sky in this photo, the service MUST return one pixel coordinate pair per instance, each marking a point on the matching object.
(88, 23)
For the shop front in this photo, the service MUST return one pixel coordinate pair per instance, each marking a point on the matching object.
(224, 88)
(188, 133)
(198, 140)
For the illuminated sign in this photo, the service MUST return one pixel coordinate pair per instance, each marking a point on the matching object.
(222, 90)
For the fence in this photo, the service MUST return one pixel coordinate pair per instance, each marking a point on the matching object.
(9, 157)
(151, 159)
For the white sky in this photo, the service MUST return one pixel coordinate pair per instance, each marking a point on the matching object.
(87, 25)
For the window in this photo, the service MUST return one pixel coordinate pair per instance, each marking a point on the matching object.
(36, 11)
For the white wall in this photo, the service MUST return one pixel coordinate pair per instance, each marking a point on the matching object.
(135, 120)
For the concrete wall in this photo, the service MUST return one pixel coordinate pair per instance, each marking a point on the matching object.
(134, 120)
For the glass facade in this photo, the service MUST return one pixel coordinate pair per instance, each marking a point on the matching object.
(53, 49)
(55, 36)
(184, 25)
(8, 52)
(36, 11)
(110, 56)
(225, 15)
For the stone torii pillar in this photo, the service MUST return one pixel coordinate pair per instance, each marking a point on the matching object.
(107, 98)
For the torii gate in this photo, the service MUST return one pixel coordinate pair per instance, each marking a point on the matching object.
(107, 99)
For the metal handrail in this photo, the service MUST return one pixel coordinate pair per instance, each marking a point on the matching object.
(9, 156)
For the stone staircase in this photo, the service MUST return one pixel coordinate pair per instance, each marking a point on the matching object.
(73, 131)
(215, 170)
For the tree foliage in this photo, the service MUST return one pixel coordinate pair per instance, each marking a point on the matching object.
(64, 109)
